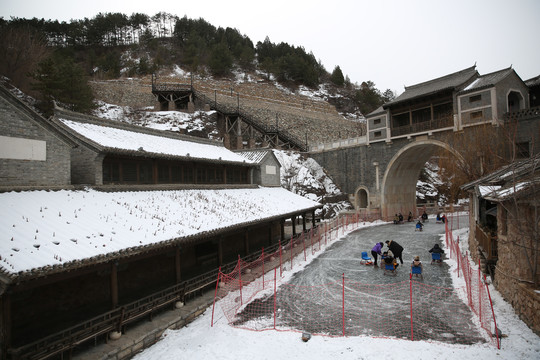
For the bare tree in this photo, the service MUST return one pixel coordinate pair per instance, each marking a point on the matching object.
(483, 149)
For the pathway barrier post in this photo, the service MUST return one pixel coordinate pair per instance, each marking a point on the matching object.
(215, 295)
(411, 305)
(275, 271)
(240, 278)
(493, 314)
(280, 269)
(343, 302)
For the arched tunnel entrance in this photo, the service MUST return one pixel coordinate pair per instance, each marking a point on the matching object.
(398, 191)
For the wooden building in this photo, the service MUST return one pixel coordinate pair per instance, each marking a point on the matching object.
(146, 215)
(504, 235)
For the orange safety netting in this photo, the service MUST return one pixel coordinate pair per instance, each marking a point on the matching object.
(253, 297)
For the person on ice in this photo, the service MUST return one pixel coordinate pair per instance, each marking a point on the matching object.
(388, 259)
(377, 251)
(396, 249)
(417, 264)
(424, 216)
(437, 250)
(419, 225)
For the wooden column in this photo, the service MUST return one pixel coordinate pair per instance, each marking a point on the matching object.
(114, 284)
(304, 222)
(220, 251)
(5, 324)
(271, 225)
(246, 242)
(177, 265)
(293, 221)
(282, 235)
(313, 219)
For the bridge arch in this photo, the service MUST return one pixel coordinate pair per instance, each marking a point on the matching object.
(398, 188)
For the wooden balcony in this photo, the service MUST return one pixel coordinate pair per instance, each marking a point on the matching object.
(425, 126)
(487, 242)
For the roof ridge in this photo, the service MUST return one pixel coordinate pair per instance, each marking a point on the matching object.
(440, 78)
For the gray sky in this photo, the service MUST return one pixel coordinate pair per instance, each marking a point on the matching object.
(390, 42)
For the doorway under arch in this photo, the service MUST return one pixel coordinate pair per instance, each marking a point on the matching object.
(361, 198)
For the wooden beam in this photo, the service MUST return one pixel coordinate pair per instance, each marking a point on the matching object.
(5, 324)
(114, 285)
(220, 251)
(246, 242)
(178, 267)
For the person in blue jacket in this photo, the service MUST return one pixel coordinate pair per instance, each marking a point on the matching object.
(376, 251)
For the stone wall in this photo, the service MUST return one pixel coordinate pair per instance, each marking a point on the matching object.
(136, 93)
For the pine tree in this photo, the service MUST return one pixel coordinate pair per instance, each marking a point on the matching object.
(60, 79)
(337, 76)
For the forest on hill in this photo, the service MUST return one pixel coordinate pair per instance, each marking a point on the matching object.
(54, 60)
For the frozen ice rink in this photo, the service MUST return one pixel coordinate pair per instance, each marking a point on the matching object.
(336, 294)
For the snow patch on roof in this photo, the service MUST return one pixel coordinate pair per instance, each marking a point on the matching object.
(485, 190)
(45, 228)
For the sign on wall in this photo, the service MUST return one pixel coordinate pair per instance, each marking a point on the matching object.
(22, 149)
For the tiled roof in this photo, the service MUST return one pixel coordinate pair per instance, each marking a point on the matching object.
(454, 81)
(535, 81)
(488, 80)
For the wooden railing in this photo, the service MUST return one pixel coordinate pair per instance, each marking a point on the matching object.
(486, 242)
(114, 320)
(423, 126)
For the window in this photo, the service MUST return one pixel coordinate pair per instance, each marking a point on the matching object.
(421, 115)
(163, 173)
(475, 98)
(376, 121)
(522, 150)
(476, 115)
(129, 172)
(176, 174)
(377, 134)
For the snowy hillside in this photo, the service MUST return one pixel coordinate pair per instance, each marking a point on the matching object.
(304, 176)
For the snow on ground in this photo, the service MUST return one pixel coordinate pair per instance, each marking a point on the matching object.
(53, 228)
(176, 121)
(199, 340)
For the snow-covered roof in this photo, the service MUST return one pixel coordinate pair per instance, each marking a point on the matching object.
(485, 190)
(516, 190)
(127, 140)
(256, 155)
(507, 174)
(47, 232)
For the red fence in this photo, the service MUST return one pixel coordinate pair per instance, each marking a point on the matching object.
(477, 291)
(254, 297)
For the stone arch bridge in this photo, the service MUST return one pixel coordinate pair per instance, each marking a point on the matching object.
(382, 176)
